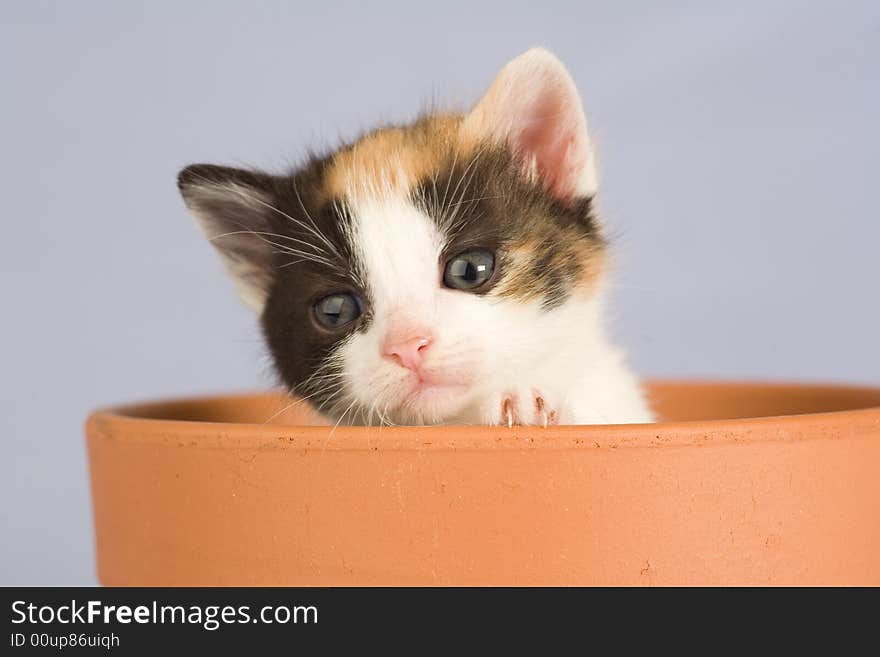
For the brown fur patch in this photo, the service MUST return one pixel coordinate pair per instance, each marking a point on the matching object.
(545, 249)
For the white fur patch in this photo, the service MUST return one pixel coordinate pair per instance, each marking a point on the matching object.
(483, 347)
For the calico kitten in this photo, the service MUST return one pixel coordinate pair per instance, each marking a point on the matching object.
(446, 271)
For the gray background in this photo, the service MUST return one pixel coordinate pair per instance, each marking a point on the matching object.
(739, 145)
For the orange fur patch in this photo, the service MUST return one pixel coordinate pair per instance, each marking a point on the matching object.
(395, 159)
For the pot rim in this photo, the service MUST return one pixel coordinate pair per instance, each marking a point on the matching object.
(126, 422)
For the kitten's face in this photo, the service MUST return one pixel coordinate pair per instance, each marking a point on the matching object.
(407, 276)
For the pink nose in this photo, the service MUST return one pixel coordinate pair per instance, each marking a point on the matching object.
(409, 352)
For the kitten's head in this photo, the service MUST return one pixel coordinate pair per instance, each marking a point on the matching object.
(407, 275)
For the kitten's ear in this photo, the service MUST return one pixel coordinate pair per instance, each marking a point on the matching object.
(533, 106)
(232, 208)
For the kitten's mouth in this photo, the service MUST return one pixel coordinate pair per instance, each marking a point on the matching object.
(433, 393)
(427, 389)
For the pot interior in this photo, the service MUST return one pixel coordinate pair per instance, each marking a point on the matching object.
(673, 401)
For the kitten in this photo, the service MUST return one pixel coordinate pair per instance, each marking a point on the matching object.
(446, 271)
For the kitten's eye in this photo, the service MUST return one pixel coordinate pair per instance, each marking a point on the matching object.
(469, 270)
(337, 310)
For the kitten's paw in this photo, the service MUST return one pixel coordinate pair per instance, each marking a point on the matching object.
(526, 407)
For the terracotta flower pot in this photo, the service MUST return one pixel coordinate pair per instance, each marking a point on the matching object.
(740, 484)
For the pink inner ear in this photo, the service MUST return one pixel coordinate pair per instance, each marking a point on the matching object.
(550, 131)
(534, 106)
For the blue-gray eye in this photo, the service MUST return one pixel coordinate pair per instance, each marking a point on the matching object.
(337, 310)
(469, 270)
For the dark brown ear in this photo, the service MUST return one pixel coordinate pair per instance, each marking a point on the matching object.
(233, 209)
(533, 106)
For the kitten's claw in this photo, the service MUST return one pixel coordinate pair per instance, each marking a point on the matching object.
(507, 411)
(526, 408)
(541, 410)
